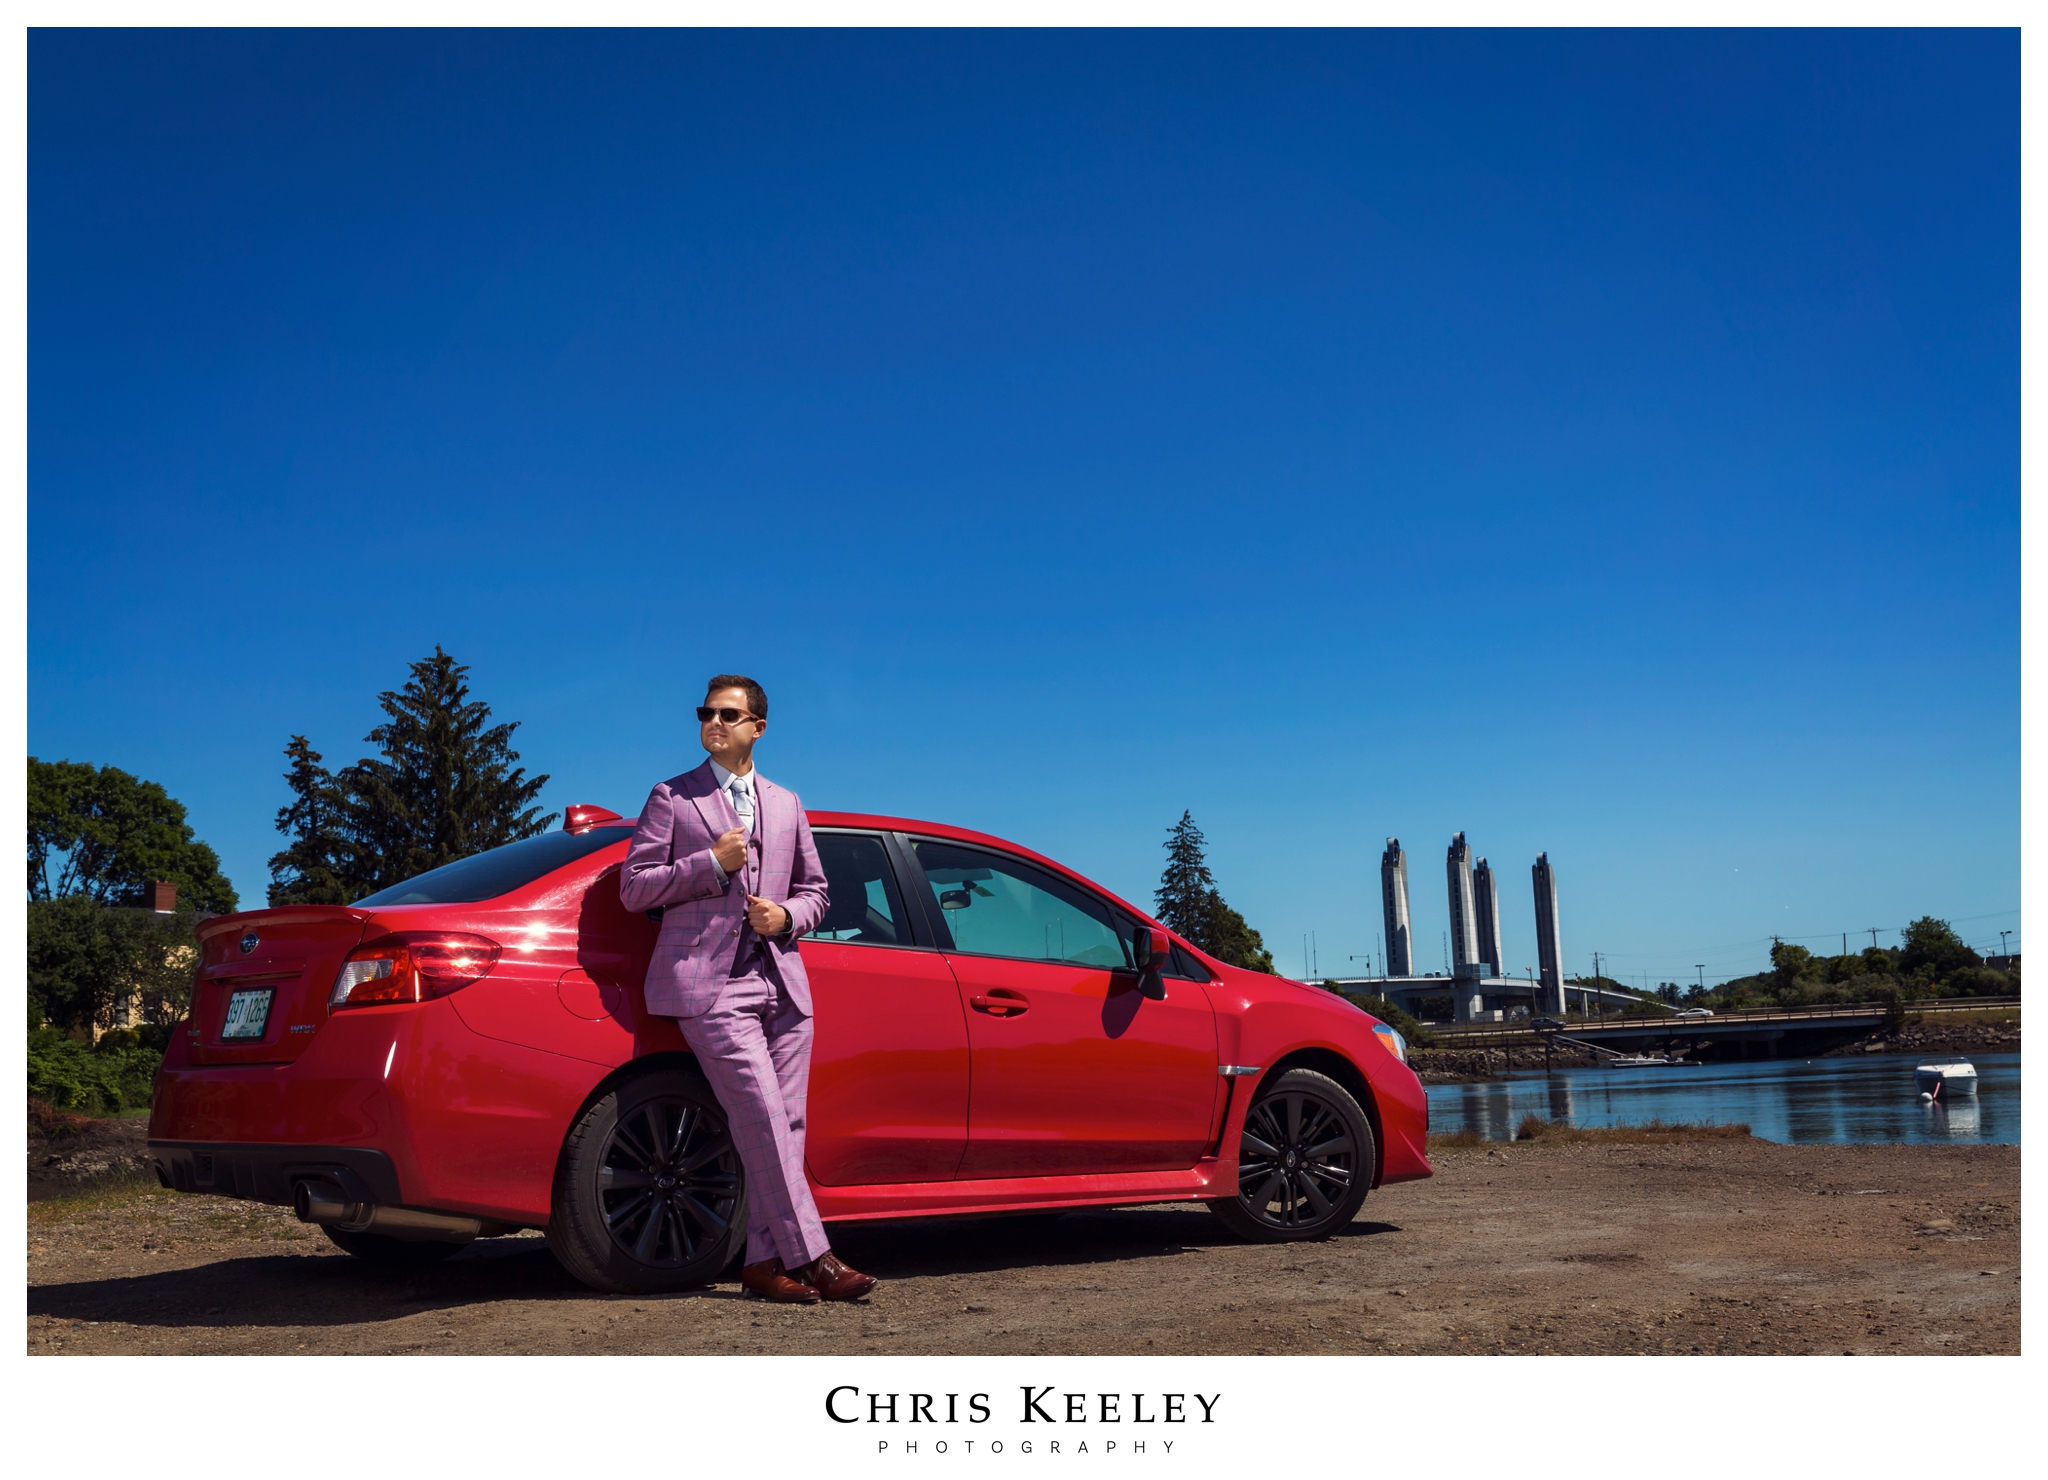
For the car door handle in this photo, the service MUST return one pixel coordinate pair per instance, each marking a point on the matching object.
(1009, 1004)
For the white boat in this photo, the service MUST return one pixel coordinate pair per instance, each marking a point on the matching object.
(1941, 1079)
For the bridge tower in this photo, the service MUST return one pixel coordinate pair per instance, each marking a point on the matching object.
(1394, 899)
(1486, 896)
(1549, 954)
(1464, 933)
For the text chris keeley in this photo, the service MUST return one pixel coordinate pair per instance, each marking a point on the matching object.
(843, 1404)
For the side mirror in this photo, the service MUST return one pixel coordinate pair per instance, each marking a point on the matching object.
(1150, 951)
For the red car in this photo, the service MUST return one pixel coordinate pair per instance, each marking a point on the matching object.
(468, 1054)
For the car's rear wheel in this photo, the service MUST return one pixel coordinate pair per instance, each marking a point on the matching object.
(393, 1253)
(651, 1195)
(1305, 1163)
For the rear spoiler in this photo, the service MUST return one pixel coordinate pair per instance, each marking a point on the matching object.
(289, 914)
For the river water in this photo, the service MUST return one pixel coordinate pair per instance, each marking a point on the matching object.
(1867, 1098)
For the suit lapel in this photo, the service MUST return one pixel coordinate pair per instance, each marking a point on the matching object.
(710, 802)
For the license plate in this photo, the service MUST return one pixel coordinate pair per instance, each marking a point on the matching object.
(248, 1014)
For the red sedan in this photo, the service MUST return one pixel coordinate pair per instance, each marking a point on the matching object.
(468, 1054)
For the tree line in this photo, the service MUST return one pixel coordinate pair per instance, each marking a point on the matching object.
(442, 783)
(1931, 961)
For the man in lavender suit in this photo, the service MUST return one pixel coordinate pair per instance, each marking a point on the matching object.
(727, 855)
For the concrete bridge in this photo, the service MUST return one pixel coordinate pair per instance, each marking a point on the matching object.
(1777, 1033)
(1479, 999)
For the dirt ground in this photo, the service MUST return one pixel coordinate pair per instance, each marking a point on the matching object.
(1712, 1246)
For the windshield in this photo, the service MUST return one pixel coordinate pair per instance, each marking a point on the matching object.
(500, 871)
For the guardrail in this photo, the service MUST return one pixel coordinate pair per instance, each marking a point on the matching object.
(1483, 1035)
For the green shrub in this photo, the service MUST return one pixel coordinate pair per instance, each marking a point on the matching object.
(116, 1075)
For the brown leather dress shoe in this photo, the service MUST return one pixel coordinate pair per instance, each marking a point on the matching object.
(769, 1281)
(834, 1280)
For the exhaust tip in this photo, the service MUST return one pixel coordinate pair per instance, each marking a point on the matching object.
(320, 1202)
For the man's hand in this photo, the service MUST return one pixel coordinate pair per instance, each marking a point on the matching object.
(767, 918)
(731, 849)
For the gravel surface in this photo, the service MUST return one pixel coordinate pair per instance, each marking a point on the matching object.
(1727, 1246)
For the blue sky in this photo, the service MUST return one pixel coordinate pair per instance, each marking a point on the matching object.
(1605, 444)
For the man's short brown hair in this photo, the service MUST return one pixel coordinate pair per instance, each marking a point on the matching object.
(757, 700)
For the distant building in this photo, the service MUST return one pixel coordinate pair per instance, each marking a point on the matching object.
(2003, 963)
(1400, 954)
(1486, 897)
(1464, 925)
(1549, 953)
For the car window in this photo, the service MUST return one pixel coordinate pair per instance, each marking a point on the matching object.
(1000, 906)
(866, 906)
(1187, 966)
(498, 871)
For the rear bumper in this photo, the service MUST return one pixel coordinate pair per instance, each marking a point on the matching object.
(265, 1173)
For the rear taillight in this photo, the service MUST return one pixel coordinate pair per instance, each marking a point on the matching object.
(411, 967)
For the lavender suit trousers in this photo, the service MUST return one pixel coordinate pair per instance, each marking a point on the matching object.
(754, 1045)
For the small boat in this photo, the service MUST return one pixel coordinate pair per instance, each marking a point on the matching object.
(1939, 1079)
(1640, 1061)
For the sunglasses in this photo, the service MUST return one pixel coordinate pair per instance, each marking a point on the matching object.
(706, 714)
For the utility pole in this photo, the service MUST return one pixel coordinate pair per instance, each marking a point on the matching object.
(2001, 942)
(1873, 937)
(1845, 942)
(1701, 968)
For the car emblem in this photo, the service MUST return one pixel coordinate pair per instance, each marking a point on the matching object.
(248, 942)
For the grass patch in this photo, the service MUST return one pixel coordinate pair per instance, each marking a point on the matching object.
(98, 1197)
(1534, 1127)
(1978, 1015)
(1535, 1130)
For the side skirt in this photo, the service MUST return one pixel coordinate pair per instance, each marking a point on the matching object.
(1017, 1194)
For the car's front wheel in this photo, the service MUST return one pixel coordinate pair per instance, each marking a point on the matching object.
(1305, 1163)
(650, 1195)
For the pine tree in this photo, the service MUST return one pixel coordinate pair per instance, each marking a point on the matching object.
(445, 786)
(319, 865)
(1187, 903)
(1182, 899)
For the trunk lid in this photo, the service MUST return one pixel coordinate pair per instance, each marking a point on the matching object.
(292, 953)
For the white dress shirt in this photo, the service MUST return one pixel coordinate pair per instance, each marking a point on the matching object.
(729, 784)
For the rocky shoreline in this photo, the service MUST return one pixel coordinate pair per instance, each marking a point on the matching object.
(1937, 1037)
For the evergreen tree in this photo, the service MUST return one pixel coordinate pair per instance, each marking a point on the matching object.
(1181, 901)
(1187, 903)
(320, 864)
(444, 785)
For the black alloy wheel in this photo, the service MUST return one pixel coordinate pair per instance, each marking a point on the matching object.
(1305, 1163)
(651, 1194)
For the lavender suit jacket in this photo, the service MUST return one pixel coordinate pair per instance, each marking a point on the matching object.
(670, 864)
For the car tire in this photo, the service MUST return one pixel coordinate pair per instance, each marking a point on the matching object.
(394, 1253)
(650, 1195)
(1305, 1162)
